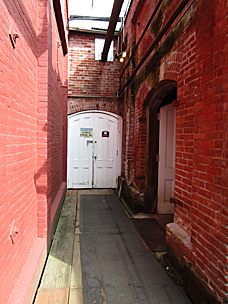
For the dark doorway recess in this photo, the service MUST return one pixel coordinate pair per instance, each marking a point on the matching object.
(163, 93)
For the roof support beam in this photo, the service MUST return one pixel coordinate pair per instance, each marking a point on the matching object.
(111, 28)
(59, 18)
(93, 18)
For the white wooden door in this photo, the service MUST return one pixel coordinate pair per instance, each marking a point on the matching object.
(94, 150)
(105, 152)
(167, 154)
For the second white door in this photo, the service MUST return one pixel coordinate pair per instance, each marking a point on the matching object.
(167, 154)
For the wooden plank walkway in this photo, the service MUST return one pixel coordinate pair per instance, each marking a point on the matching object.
(61, 282)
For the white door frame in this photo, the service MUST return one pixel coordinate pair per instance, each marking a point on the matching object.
(119, 144)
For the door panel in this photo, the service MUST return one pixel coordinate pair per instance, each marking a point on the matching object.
(94, 161)
(106, 148)
(167, 153)
(81, 154)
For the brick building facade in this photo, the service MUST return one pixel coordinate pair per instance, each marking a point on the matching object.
(177, 55)
(92, 84)
(176, 58)
(33, 111)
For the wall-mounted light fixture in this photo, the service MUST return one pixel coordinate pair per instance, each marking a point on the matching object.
(124, 54)
(121, 56)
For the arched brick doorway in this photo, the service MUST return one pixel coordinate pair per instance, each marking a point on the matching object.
(162, 94)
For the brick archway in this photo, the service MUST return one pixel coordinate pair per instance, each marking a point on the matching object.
(78, 104)
(165, 92)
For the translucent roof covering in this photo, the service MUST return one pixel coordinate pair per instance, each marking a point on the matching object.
(93, 14)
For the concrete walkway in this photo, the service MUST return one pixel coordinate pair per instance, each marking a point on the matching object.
(98, 257)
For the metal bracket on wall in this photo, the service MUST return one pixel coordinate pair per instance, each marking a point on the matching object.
(13, 232)
(13, 38)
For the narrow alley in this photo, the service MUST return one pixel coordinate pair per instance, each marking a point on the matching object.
(98, 257)
(128, 95)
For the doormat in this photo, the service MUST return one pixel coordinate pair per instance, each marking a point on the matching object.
(151, 233)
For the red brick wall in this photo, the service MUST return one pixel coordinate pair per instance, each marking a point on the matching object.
(93, 84)
(18, 147)
(197, 61)
(209, 201)
(201, 146)
(51, 122)
(31, 127)
(185, 124)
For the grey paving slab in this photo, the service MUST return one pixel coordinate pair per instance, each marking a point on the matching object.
(116, 267)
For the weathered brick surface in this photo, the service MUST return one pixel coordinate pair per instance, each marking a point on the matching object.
(18, 146)
(52, 80)
(195, 56)
(31, 128)
(93, 84)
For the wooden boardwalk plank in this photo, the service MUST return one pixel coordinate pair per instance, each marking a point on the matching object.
(76, 274)
(52, 296)
(58, 269)
(75, 296)
(56, 280)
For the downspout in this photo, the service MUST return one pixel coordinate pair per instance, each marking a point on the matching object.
(111, 27)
